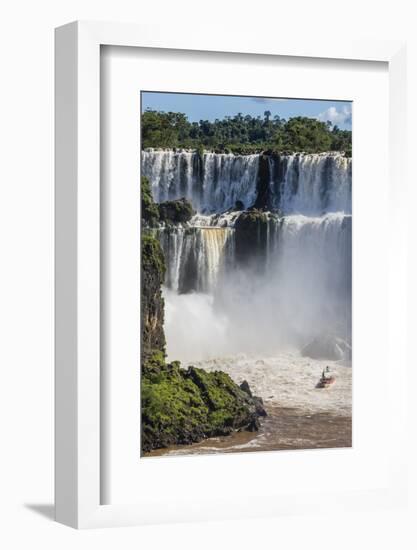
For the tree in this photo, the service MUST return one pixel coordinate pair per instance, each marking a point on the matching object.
(243, 134)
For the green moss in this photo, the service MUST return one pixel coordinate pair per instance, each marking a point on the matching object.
(149, 209)
(174, 212)
(153, 273)
(170, 212)
(153, 261)
(183, 406)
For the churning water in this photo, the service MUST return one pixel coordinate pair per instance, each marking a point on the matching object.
(252, 319)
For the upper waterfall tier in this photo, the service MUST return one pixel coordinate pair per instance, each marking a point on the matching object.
(311, 184)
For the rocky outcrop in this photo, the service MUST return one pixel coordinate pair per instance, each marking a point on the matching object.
(251, 236)
(153, 273)
(328, 346)
(169, 212)
(182, 406)
(185, 406)
(175, 212)
(149, 210)
(262, 186)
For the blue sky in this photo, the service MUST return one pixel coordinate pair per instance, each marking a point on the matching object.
(210, 107)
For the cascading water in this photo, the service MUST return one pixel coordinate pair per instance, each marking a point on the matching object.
(212, 182)
(310, 184)
(298, 282)
(261, 270)
(193, 257)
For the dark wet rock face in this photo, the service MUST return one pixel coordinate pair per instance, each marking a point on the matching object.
(175, 212)
(153, 273)
(251, 229)
(328, 346)
(263, 189)
(244, 386)
(182, 406)
(149, 209)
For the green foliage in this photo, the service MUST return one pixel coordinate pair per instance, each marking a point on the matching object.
(178, 211)
(306, 134)
(164, 129)
(150, 211)
(156, 361)
(152, 302)
(183, 406)
(153, 261)
(171, 212)
(243, 134)
(342, 141)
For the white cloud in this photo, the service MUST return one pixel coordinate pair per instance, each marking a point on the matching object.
(341, 117)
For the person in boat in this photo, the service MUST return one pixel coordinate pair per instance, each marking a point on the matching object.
(326, 373)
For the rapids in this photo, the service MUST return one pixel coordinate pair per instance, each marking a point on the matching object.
(252, 320)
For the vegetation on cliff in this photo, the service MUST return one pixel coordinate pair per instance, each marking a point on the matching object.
(243, 134)
(169, 212)
(185, 406)
(181, 406)
(174, 212)
(153, 273)
(149, 210)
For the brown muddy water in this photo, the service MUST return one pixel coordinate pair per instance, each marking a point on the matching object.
(282, 429)
(300, 416)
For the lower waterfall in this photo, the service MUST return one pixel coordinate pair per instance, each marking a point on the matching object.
(231, 287)
(261, 273)
(297, 289)
(194, 256)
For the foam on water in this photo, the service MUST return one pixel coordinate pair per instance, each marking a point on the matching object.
(288, 380)
(296, 287)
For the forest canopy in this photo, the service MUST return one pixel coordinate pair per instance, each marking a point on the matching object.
(243, 134)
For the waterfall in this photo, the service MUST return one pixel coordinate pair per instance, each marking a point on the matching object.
(312, 262)
(212, 183)
(311, 184)
(193, 257)
(298, 282)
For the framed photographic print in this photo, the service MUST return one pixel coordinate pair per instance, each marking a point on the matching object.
(246, 273)
(224, 294)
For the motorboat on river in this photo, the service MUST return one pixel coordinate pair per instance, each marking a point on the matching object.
(326, 380)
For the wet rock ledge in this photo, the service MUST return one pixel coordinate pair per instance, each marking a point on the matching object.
(182, 406)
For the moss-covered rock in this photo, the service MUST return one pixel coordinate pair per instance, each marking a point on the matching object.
(169, 212)
(174, 212)
(153, 273)
(185, 406)
(182, 406)
(149, 209)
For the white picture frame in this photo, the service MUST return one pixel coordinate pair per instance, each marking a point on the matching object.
(77, 242)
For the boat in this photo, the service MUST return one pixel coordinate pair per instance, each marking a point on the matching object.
(325, 382)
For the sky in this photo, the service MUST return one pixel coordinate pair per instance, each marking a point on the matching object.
(209, 107)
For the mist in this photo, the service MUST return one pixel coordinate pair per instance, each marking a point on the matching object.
(298, 292)
(296, 283)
